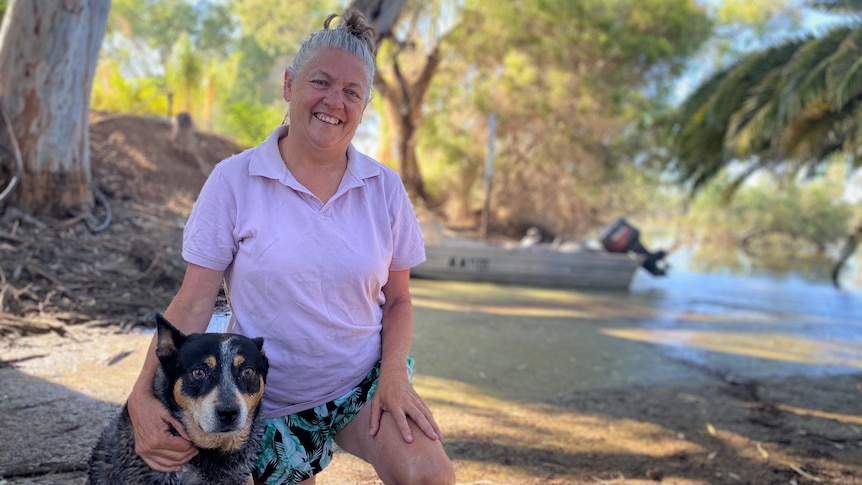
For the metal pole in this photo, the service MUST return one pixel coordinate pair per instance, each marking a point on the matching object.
(489, 172)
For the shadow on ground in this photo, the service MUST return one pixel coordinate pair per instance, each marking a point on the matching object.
(46, 430)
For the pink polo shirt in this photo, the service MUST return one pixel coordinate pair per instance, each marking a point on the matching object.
(304, 275)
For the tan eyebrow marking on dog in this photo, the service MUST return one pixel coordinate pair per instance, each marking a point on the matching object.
(180, 397)
(238, 360)
(210, 361)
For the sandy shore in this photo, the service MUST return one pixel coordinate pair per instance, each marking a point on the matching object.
(530, 386)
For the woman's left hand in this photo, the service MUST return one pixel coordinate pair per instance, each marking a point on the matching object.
(396, 396)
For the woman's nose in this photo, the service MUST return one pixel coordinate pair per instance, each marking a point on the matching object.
(333, 98)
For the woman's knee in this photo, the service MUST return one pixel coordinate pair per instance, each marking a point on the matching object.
(432, 470)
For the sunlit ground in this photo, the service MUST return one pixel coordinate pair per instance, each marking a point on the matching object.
(505, 442)
(517, 378)
(493, 360)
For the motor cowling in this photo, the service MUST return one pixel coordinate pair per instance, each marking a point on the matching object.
(622, 237)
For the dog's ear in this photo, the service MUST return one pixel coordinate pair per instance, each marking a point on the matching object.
(169, 338)
(258, 342)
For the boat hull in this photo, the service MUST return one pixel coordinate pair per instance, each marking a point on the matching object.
(578, 269)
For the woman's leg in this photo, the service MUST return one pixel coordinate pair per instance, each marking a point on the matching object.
(424, 461)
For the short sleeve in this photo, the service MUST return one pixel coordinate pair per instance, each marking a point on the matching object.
(209, 236)
(408, 245)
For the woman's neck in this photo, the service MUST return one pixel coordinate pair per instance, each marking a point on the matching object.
(320, 173)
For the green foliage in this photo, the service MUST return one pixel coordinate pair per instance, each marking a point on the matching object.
(157, 24)
(793, 213)
(185, 70)
(747, 12)
(114, 92)
(565, 78)
(200, 53)
(248, 123)
(281, 34)
(792, 105)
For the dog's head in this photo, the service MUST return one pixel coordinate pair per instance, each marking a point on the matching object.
(211, 382)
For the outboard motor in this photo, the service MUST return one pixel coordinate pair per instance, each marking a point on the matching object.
(622, 237)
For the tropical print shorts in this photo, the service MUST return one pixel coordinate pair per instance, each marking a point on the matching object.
(298, 446)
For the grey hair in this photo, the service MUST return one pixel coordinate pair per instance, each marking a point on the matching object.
(352, 35)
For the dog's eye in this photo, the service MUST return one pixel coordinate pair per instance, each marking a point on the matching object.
(248, 372)
(198, 374)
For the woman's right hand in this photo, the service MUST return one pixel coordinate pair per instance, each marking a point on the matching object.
(155, 442)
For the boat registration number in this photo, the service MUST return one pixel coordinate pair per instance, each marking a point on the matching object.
(479, 265)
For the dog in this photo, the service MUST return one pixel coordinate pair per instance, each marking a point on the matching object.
(212, 383)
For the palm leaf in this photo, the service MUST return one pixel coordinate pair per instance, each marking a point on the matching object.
(844, 75)
(806, 72)
(837, 6)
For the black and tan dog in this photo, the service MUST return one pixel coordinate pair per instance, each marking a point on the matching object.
(212, 383)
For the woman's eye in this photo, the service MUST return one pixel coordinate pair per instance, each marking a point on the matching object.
(198, 374)
(318, 82)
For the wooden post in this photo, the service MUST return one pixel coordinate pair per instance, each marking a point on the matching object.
(489, 172)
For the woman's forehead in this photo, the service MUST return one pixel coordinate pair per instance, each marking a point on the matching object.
(337, 64)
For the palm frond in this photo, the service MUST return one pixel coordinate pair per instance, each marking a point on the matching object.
(792, 106)
(705, 117)
(844, 75)
(837, 6)
(753, 126)
(817, 134)
(806, 73)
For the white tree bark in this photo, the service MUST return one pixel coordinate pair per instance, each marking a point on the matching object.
(48, 54)
(383, 14)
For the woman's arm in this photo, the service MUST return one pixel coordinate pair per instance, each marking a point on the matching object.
(190, 311)
(395, 393)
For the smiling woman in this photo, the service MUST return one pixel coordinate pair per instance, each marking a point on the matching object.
(327, 100)
(313, 242)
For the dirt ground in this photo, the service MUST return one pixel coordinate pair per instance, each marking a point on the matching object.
(76, 306)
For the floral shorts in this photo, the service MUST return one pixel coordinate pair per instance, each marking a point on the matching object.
(298, 446)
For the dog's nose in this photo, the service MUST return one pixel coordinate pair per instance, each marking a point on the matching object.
(227, 414)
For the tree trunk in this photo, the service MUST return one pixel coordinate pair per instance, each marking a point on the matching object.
(850, 245)
(383, 14)
(49, 50)
(400, 118)
(402, 96)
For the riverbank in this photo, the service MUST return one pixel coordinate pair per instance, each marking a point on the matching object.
(530, 386)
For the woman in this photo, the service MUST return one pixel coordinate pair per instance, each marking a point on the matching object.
(314, 242)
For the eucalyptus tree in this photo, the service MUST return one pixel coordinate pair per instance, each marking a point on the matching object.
(411, 40)
(566, 79)
(788, 107)
(48, 51)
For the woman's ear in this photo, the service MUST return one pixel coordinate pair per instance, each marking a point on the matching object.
(287, 82)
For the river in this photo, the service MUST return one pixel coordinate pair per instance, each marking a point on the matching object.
(787, 321)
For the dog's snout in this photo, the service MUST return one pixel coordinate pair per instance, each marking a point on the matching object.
(227, 414)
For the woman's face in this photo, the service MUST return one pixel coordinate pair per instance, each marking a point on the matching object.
(327, 99)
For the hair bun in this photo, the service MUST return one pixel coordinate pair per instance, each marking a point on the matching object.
(353, 21)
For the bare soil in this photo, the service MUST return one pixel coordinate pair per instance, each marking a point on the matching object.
(75, 306)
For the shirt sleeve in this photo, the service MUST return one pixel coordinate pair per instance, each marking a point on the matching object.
(408, 247)
(209, 236)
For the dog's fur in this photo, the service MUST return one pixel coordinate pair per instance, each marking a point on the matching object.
(213, 384)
